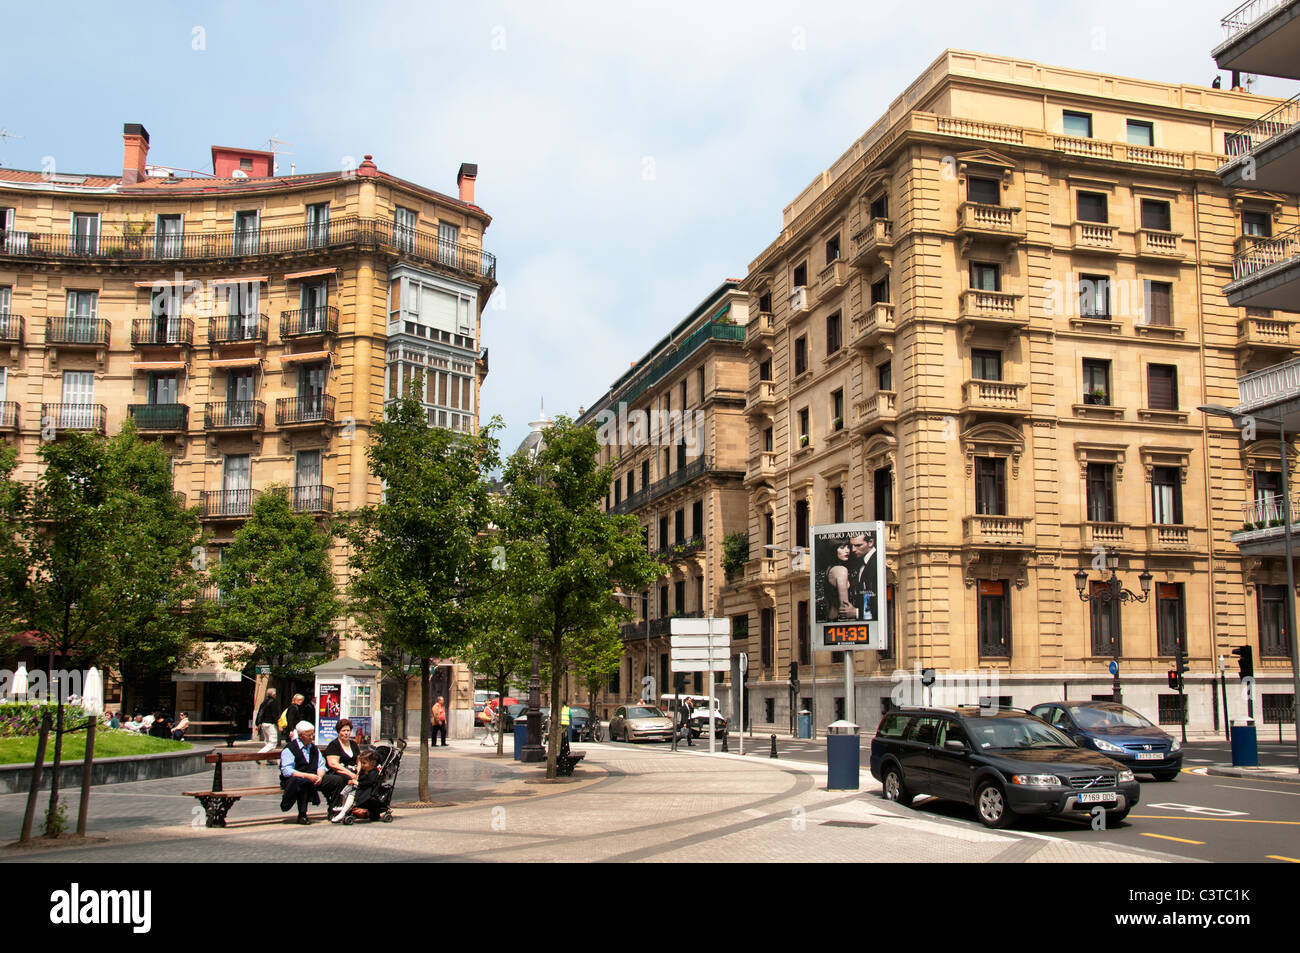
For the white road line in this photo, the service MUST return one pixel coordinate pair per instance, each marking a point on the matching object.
(1258, 790)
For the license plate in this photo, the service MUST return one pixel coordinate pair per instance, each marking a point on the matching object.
(1151, 756)
(1097, 797)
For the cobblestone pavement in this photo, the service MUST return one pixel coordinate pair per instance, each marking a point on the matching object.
(625, 804)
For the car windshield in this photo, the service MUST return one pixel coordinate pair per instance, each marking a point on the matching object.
(644, 713)
(1107, 716)
(1015, 733)
(579, 713)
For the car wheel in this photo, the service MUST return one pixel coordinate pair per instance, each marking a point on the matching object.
(895, 790)
(991, 805)
(1164, 775)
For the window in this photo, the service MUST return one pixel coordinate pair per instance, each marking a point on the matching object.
(697, 518)
(768, 443)
(1166, 496)
(1155, 215)
(162, 388)
(404, 220)
(994, 619)
(1278, 709)
(879, 207)
(1162, 387)
(699, 380)
(837, 504)
(1094, 296)
(1101, 493)
(990, 486)
(769, 530)
(767, 632)
(1105, 621)
(82, 307)
(984, 191)
(1077, 124)
(78, 410)
(1257, 224)
(1096, 382)
(800, 355)
(1091, 207)
(167, 236)
(804, 433)
(832, 249)
(805, 635)
(663, 602)
(630, 484)
(448, 243)
(883, 493)
(681, 453)
(246, 233)
(663, 532)
(679, 597)
(891, 624)
(801, 275)
(885, 376)
(765, 370)
(645, 474)
(837, 410)
(880, 291)
(1268, 495)
(832, 333)
(1141, 133)
(1159, 303)
(765, 303)
(318, 225)
(1171, 626)
(618, 491)
(85, 233)
(986, 365)
(800, 523)
(679, 526)
(1171, 709)
(985, 276)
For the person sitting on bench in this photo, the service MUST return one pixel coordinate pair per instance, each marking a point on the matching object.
(302, 768)
(361, 790)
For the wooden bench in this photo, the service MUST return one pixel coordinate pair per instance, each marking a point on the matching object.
(228, 730)
(218, 801)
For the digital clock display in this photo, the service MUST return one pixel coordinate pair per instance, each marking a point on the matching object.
(847, 634)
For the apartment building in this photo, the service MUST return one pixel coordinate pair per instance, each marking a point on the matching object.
(253, 323)
(988, 324)
(1263, 36)
(674, 429)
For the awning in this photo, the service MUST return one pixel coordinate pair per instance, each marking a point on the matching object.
(211, 664)
(314, 273)
(163, 283)
(236, 362)
(241, 280)
(304, 356)
(157, 365)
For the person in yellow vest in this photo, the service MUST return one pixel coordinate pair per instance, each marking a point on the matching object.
(564, 721)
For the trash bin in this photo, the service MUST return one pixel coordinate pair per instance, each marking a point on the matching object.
(843, 756)
(521, 737)
(805, 724)
(1245, 748)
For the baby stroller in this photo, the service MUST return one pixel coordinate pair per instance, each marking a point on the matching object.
(378, 807)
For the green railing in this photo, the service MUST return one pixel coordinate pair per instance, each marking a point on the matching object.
(713, 331)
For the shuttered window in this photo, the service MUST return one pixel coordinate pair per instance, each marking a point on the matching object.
(1162, 387)
(1159, 303)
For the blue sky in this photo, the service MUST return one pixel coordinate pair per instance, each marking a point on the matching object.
(632, 155)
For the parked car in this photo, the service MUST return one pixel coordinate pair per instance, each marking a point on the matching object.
(1004, 762)
(699, 717)
(1118, 732)
(512, 713)
(640, 723)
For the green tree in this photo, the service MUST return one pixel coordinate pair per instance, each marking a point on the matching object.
(421, 557)
(276, 587)
(499, 651)
(562, 549)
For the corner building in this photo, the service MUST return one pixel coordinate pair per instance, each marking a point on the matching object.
(989, 324)
(253, 323)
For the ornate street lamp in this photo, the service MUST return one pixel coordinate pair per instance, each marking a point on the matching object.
(1115, 596)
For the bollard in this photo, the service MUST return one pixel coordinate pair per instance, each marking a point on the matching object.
(724, 742)
(773, 754)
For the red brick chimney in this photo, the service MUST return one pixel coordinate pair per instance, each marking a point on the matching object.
(135, 150)
(465, 179)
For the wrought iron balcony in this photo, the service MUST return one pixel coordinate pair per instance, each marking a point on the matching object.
(227, 504)
(236, 329)
(697, 467)
(162, 332)
(91, 417)
(313, 499)
(234, 415)
(1265, 273)
(304, 411)
(77, 332)
(161, 417)
(309, 322)
(9, 415)
(12, 327)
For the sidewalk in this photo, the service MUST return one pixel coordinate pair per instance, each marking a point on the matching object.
(626, 803)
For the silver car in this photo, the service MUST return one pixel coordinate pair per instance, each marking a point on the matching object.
(640, 723)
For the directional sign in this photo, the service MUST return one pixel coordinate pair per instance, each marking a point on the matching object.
(700, 645)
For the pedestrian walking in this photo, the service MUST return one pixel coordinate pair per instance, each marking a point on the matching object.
(439, 719)
(688, 709)
(266, 722)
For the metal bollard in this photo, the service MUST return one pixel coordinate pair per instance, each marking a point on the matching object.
(773, 754)
(724, 742)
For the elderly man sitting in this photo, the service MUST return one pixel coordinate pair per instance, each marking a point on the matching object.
(302, 768)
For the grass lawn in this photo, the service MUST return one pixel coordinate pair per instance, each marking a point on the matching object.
(108, 744)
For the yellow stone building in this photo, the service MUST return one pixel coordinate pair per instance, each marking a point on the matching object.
(989, 324)
(254, 323)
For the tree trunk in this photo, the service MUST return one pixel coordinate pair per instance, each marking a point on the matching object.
(424, 729)
(58, 757)
(403, 679)
(557, 704)
(501, 694)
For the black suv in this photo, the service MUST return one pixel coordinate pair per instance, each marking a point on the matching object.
(1005, 762)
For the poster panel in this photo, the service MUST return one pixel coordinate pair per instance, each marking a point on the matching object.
(847, 582)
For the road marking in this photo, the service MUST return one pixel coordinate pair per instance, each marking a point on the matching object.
(1197, 809)
(1238, 787)
(1280, 857)
(1221, 820)
(1200, 760)
(1181, 840)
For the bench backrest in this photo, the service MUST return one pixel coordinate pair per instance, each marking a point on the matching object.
(226, 757)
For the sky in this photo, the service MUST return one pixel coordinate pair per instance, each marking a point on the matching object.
(632, 155)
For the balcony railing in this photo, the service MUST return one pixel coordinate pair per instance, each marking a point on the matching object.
(237, 328)
(832, 277)
(1097, 235)
(318, 409)
(8, 415)
(875, 236)
(1106, 533)
(12, 327)
(997, 530)
(1270, 384)
(761, 331)
(1268, 126)
(697, 467)
(761, 397)
(997, 219)
(309, 322)
(1159, 243)
(867, 328)
(688, 547)
(234, 415)
(313, 499)
(162, 332)
(168, 417)
(1170, 536)
(1262, 332)
(74, 416)
(1240, 20)
(992, 395)
(716, 330)
(88, 332)
(1000, 307)
(1263, 253)
(345, 232)
(879, 407)
(227, 504)
(1267, 511)
(1077, 146)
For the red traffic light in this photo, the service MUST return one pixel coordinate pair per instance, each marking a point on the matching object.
(1173, 678)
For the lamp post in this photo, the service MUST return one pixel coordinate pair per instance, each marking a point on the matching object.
(1218, 410)
(1115, 596)
(533, 750)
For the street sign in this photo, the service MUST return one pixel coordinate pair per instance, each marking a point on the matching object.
(744, 662)
(1114, 667)
(700, 645)
(262, 670)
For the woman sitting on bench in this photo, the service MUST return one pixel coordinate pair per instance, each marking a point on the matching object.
(341, 757)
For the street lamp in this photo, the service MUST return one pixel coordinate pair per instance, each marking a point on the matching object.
(533, 750)
(1218, 410)
(1113, 595)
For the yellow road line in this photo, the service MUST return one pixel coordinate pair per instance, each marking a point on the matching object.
(1280, 857)
(1222, 820)
(1181, 840)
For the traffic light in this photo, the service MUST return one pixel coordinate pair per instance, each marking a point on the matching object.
(794, 677)
(1246, 659)
(1173, 678)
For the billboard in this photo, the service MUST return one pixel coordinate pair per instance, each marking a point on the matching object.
(848, 586)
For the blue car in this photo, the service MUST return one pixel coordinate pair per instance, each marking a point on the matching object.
(1119, 733)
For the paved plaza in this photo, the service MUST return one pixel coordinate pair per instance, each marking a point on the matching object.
(624, 804)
